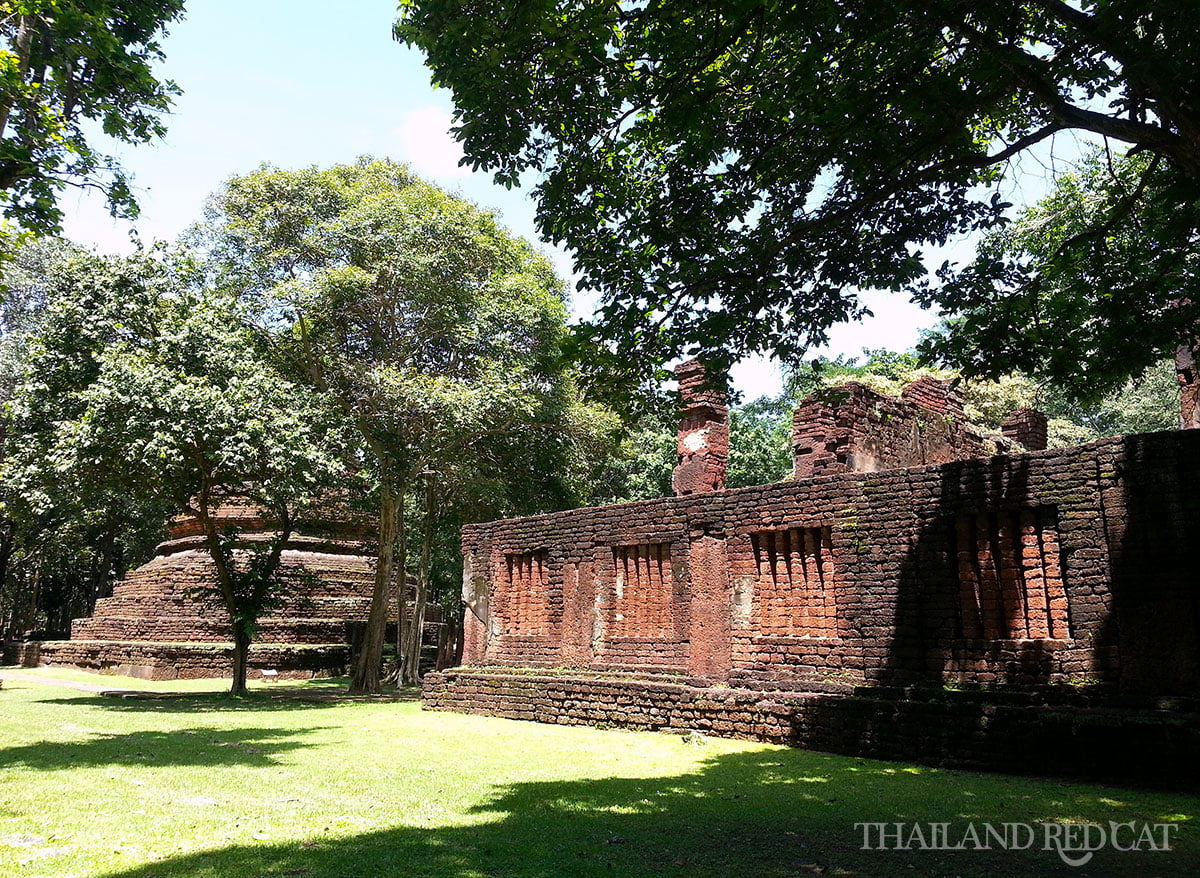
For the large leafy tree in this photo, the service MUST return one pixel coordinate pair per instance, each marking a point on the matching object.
(61, 546)
(68, 67)
(438, 333)
(139, 383)
(728, 174)
(1095, 283)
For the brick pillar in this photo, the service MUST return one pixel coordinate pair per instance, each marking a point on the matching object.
(477, 618)
(709, 614)
(579, 612)
(703, 447)
(1027, 426)
(1188, 372)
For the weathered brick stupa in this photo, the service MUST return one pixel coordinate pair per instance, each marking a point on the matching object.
(919, 590)
(153, 628)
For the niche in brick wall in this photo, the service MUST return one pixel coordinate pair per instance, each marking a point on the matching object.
(643, 589)
(794, 582)
(525, 606)
(1009, 575)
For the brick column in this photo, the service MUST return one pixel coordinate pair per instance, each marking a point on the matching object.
(703, 447)
(1027, 426)
(579, 613)
(710, 627)
(477, 618)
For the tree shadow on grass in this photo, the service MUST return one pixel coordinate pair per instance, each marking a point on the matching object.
(208, 702)
(771, 813)
(178, 747)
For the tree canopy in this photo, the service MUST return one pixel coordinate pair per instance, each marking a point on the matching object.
(729, 174)
(63, 541)
(68, 67)
(439, 334)
(1092, 285)
(140, 385)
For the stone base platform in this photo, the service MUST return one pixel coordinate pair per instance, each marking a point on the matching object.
(1067, 731)
(181, 661)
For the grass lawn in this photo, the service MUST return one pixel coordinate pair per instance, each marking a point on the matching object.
(205, 785)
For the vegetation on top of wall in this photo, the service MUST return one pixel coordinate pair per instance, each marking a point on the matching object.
(1144, 404)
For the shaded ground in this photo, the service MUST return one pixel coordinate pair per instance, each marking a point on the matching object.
(206, 785)
(329, 689)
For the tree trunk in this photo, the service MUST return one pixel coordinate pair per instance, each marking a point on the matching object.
(366, 680)
(241, 658)
(35, 594)
(411, 669)
(401, 577)
(7, 544)
(24, 45)
(212, 539)
(103, 581)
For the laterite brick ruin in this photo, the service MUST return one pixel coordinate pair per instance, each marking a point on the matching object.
(919, 590)
(152, 627)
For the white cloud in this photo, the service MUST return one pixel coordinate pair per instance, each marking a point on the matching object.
(426, 144)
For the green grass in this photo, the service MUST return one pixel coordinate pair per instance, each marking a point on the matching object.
(206, 785)
(113, 681)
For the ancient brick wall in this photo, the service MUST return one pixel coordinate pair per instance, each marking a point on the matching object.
(852, 428)
(1056, 567)
(1050, 731)
(842, 611)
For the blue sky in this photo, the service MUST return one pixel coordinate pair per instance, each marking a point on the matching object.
(316, 82)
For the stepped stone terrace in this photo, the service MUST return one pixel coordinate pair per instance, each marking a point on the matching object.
(154, 627)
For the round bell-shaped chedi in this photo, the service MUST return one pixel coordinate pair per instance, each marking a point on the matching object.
(155, 626)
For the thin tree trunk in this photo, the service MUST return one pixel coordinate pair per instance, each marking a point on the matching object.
(401, 578)
(241, 641)
(35, 594)
(8, 538)
(24, 45)
(412, 665)
(241, 659)
(366, 680)
(103, 582)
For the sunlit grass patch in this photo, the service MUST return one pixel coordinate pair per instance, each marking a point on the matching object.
(207, 785)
